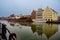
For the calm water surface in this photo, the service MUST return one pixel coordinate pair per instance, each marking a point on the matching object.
(34, 31)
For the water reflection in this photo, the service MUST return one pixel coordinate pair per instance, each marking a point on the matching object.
(35, 31)
(37, 28)
(48, 29)
(15, 24)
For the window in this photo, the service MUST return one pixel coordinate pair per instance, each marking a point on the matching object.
(48, 19)
(39, 17)
(51, 19)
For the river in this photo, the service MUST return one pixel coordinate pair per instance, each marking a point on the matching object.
(34, 31)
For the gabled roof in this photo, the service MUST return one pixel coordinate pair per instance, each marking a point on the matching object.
(51, 9)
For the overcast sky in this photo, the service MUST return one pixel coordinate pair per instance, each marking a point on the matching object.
(25, 7)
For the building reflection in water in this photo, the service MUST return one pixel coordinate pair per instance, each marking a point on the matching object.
(37, 28)
(43, 28)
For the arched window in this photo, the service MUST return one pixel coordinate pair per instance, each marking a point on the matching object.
(48, 19)
(51, 19)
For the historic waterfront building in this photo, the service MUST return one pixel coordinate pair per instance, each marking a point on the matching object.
(13, 16)
(44, 15)
(37, 16)
(50, 14)
(33, 15)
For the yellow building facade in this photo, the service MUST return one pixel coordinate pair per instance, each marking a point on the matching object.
(50, 14)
